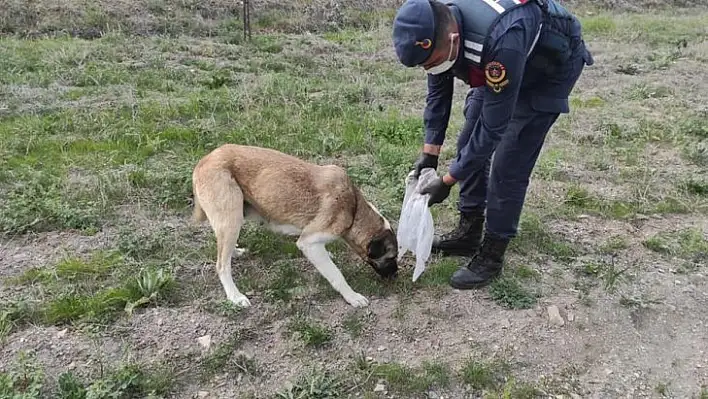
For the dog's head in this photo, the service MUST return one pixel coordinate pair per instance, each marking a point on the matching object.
(382, 253)
(373, 239)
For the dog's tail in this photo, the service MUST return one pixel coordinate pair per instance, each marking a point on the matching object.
(198, 214)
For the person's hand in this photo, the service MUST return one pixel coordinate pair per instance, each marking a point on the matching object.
(425, 161)
(438, 189)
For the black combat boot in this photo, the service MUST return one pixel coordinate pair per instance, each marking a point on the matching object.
(465, 239)
(484, 266)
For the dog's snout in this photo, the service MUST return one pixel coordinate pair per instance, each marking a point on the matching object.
(387, 269)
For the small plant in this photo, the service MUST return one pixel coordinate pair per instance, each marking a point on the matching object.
(150, 281)
(99, 265)
(688, 244)
(535, 235)
(106, 304)
(614, 244)
(438, 273)
(6, 323)
(695, 126)
(483, 376)
(696, 152)
(526, 272)
(435, 375)
(14, 314)
(149, 284)
(287, 279)
(695, 187)
(70, 387)
(224, 308)
(362, 362)
(133, 380)
(608, 273)
(23, 380)
(509, 292)
(311, 334)
(404, 379)
(628, 69)
(218, 80)
(516, 390)
(315, 384)
(578, 197)
(662, 389)
(612, 276)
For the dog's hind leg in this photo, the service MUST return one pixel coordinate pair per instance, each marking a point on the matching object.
(226, 238)
(224, 209)
(313, 247)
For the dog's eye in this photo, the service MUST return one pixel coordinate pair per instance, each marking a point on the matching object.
(376, 249)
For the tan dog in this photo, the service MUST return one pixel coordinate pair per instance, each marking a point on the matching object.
(235, 183)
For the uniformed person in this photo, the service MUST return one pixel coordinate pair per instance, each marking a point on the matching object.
(521, 59)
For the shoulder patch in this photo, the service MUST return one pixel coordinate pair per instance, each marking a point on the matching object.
(495, 75)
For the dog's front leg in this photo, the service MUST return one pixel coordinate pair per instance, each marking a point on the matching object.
(313, 247)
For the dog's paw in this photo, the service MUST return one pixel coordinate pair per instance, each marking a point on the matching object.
(357, 300)
(241, 301)
(239, 252)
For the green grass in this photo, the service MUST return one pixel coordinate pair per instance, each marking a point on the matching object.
(653, 30)
(578, 201)
(550, 164)
(99, 264)
(695, 186)
(614, 244)
(492, 378)
(311, 333)
(534, 235)
(479, 375)
(512, 292)
(153, 130)
(689, 245)
(98, 288)
(599, 272)
(24, 379)
(405, 380)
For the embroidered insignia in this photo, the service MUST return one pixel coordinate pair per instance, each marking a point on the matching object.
(425, 43)
(495, 74)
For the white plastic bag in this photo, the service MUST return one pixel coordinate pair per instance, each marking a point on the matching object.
(415, 225)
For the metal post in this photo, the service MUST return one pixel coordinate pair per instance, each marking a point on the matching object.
(246, 19)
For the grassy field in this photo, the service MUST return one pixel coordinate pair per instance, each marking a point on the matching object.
(108, 292)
